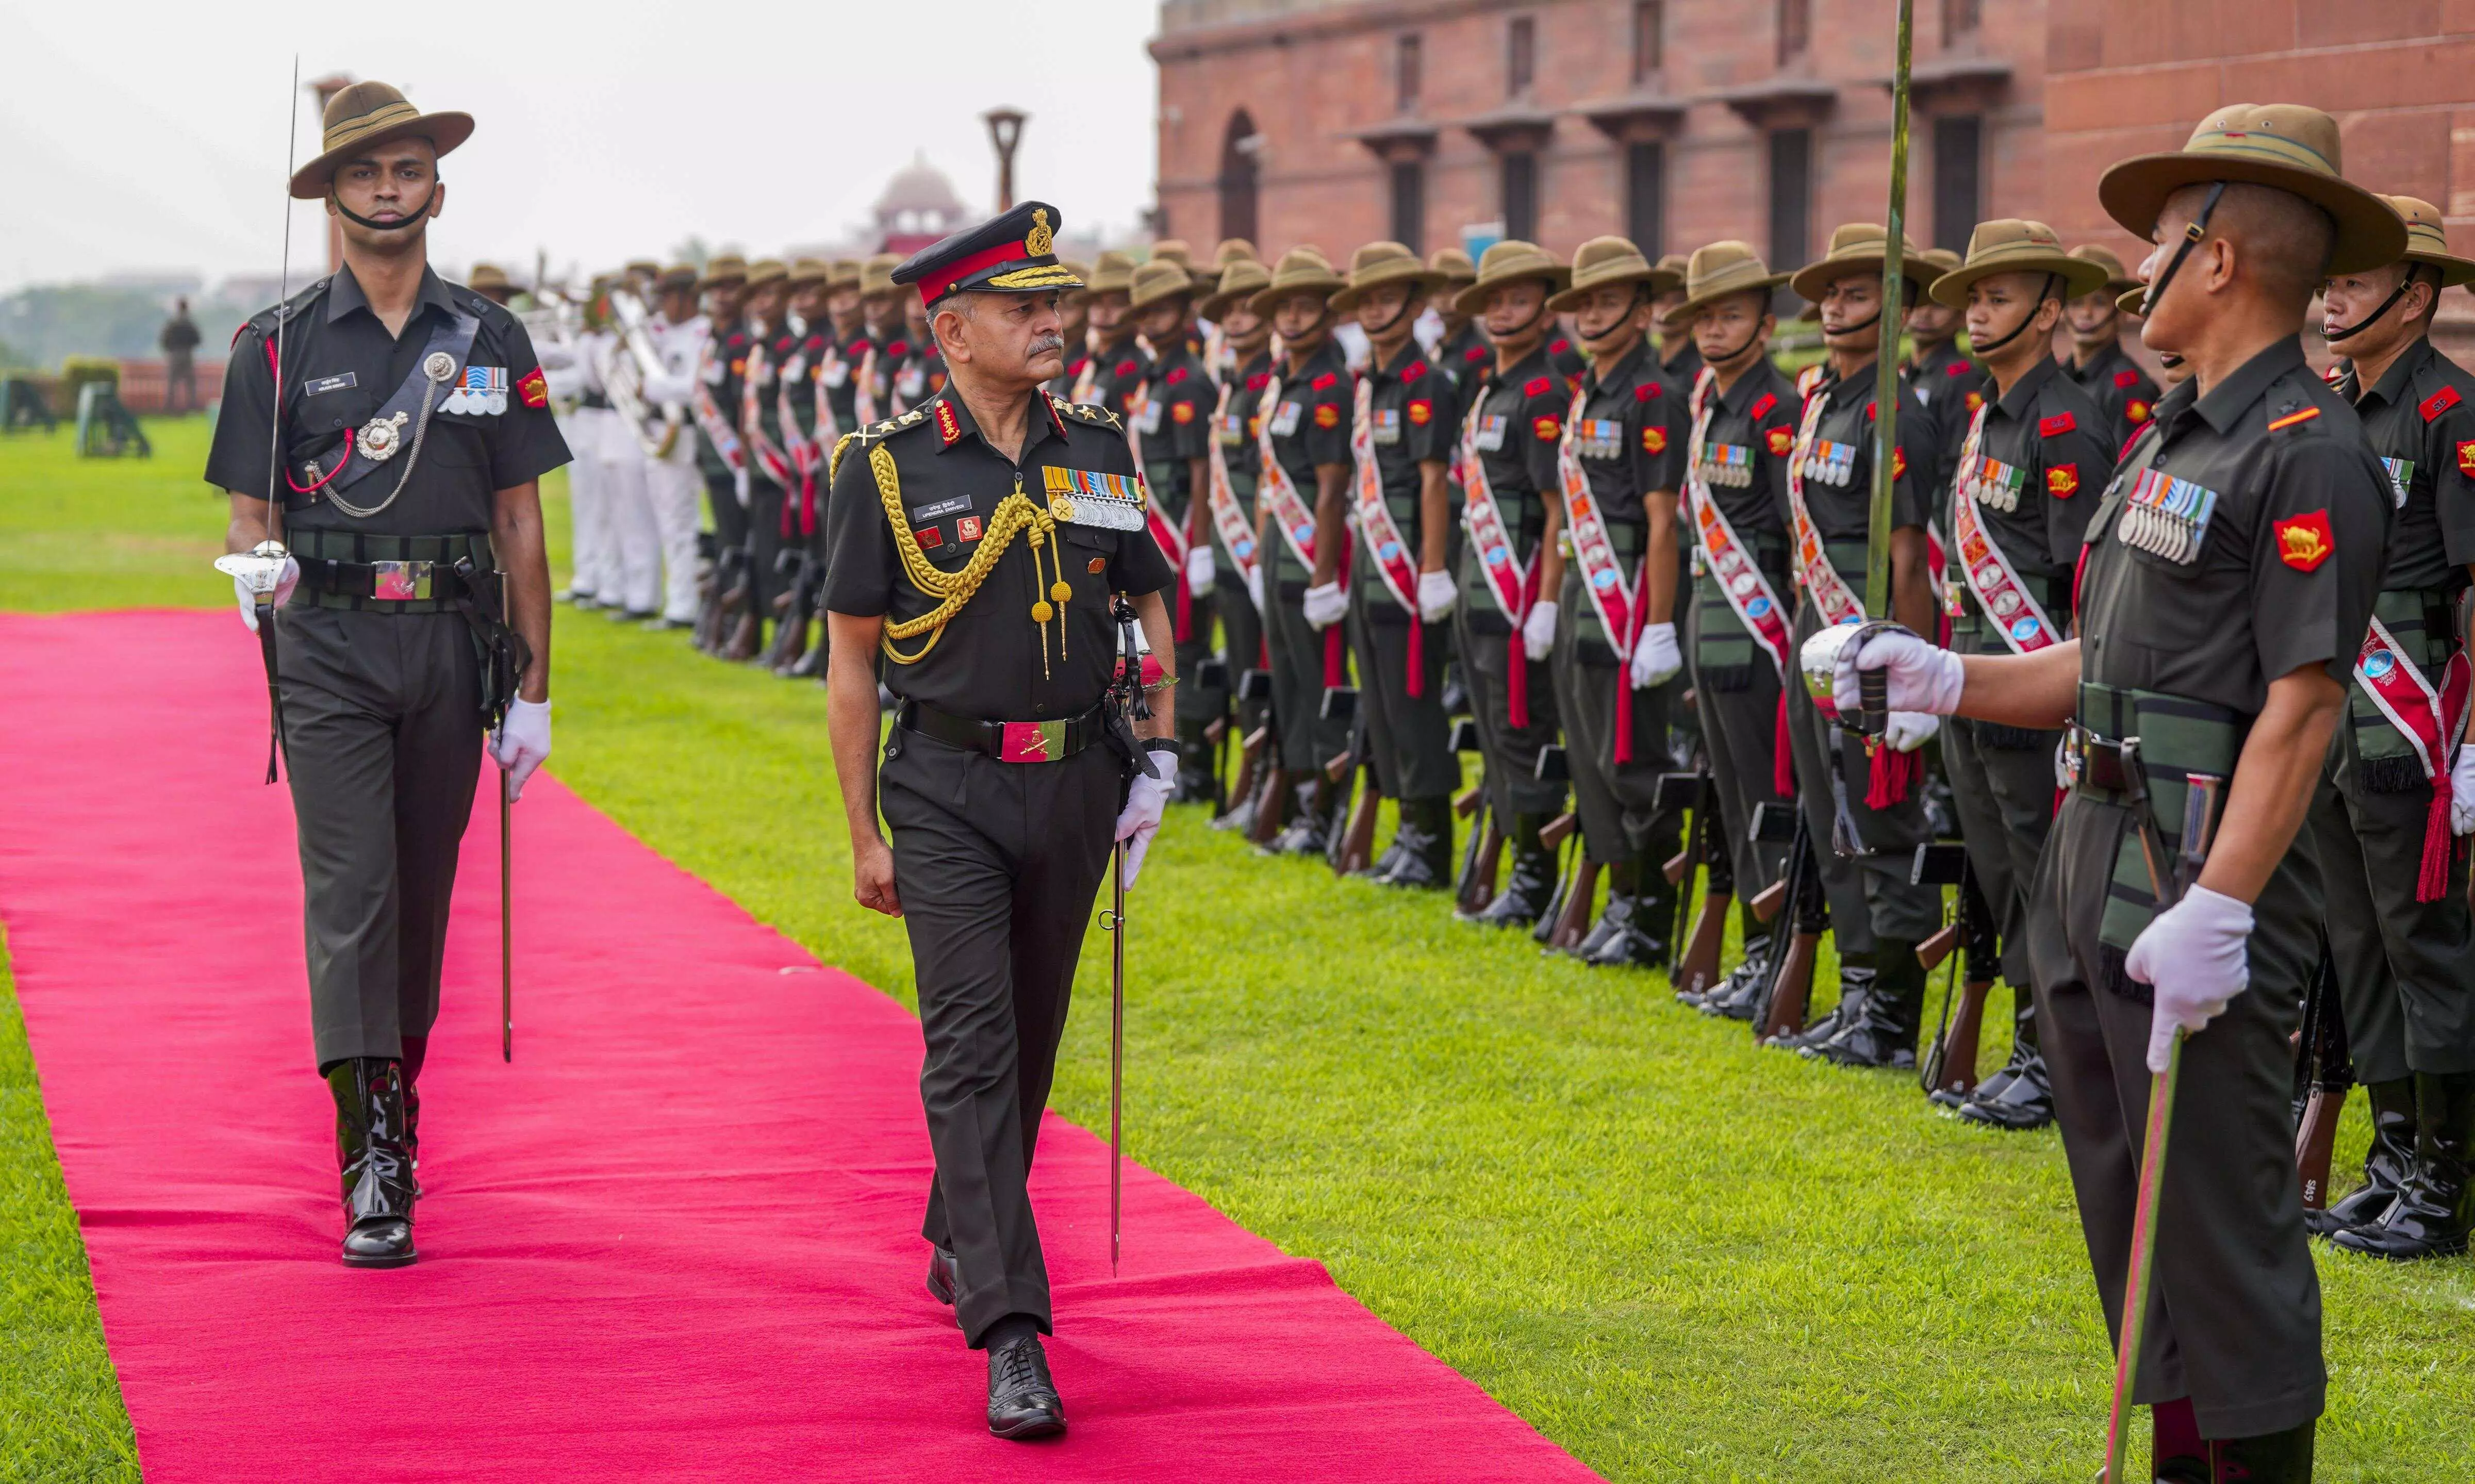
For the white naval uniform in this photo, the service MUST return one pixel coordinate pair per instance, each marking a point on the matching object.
(635, 550)
(674, 488)
(569, 371)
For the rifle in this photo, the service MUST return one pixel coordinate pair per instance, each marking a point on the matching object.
(1576, 871)
(2324, 1074)
(796, 607)
(1212, 676)
(1781, 1011)
(1474, 884)
(1949, 1063)
(1351, 845)
(1693, 954)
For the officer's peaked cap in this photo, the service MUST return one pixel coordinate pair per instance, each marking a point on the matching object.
(1012, 253)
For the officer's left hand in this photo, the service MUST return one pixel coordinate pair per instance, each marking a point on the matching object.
(1436, 595)
(283, 586)
(2194, 954)
(1538, 630)
(1908, 730)
(1922, 676)
(1656, 657)
(1145, 803)
(521, 742)
(1200, 570)
(2462, 792)
(1326, 605)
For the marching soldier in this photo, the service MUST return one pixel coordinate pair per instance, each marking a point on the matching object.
(722, 455)
(1012, 745)
(2098, 361)
(1863, 800)
(2029, 459)
(1237, 452)
(1302, 480)
(1460, 349)
(2392, 799)
(1743, 421)
(1114, 371)
(633, 556)
(1503, 626)
(414, 425)
(490, 284)
(2229, 576)
(1399, 591)
(1614, 567)
(1172, 433)
(791, 406)
(881, 313)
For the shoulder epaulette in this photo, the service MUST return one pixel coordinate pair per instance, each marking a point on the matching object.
(265, 320)
(2295, 417)
(1087, 412)
(2439, 403)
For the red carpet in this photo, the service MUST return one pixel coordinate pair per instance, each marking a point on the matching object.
(676, 1240)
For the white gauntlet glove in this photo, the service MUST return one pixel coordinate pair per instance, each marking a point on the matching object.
(1145, 803)
(283, 586)
(1538, 630)
(1656, 657)
(1908, 730)
(1255, 588)
(2194, 955)
(1923, 677)
(1326, 605)
(2462, 792)
(522, 744)
(1436, 595)
(1200, 570)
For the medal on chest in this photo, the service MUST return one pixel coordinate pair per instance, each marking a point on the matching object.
(1994, 484)
(1598, 438)
(1085, 497)
(1284, 419)
(1727, 464)
(2401, 479)
(2166, 516)
(1490, 432)
(1385, 423)
(482, 391)
(1830, 463)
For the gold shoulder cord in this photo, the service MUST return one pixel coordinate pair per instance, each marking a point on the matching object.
(952, 591)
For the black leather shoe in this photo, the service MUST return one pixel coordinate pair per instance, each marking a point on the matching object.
(2024, 1099)
(2435, 1207)
(945, 1278)
(2387, 1164)
(2271, 1458)
(377, 1172)
(1883, 1033)
(1022, 1401)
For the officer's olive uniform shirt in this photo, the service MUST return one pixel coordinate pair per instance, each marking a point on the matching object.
(2283, 572)
(340, 366)
(1175, 423)
(1409, 413)
(2042, 461)
(2419, 422)
(1839, 469)
(989, 663)
(1310, 424)
(2119, 388)
(1631, 440)
(1520, 422)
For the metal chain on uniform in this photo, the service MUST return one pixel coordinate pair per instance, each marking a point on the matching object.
(953, 590)
(438, 368)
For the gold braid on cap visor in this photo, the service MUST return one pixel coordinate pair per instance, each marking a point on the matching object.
(953, 590)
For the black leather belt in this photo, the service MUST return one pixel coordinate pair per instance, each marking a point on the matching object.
(1007, 742)
(388, 573)
(2095, 763)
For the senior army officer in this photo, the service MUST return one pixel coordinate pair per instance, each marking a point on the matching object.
(977, 542)
(415, 424)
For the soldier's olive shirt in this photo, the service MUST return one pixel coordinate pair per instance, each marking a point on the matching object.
(340, 366)
(1952, 386)
(994, 662)
(1174, 422)
(2240, 540)
(1237, 422)
(1309, 427)
(2039, 463)
(1745, 453)
(2419, 422)
(725, 372)
(1519, 421)
(2119, 388)
(1409, 415)
(1838, 469)
(1119, 372)
(1630, 434)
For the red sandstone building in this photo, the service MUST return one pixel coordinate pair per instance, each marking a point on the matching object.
(1676, 122)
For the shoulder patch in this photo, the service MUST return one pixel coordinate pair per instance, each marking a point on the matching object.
(1412, 372)
(2063, 480)
(1538, 386)
(2055, 427)
(1259, 380)
(2439, 403)
(1780, 440)
(2136, 411)
(2306, 541)
(899, 347)
(1475, 353)
(1176, 374)
(2126, 379)
(2294, 419)
(1561, 345)
(1647, 390)
(1548, 428)
(1125, 367)
(1762, 405)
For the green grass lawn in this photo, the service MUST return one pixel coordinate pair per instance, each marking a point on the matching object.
(1678, 1256)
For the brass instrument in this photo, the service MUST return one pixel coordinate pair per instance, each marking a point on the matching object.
(632, 360)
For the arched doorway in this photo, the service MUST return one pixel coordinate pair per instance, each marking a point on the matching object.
(1237, 171)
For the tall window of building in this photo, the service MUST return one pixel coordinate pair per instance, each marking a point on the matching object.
(1958, 144)
(1959, 17)
(1646, 197)
(1520, 55)
(1649, 38)
(1791, 153)
(1520, 169)
(1795, 28)
(1410, 203)
(1406, 60)
(1237, 170)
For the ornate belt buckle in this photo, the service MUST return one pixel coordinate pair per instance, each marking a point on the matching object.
(380, 437)
(1033, 741)
(402, 581)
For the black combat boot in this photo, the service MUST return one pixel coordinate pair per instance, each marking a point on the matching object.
(377, 1171)
(1528, 885)
(1622, 883)
(1424, 843)
(1883, 1033)
(1856, 986)
(2021, 1096)
(1242, 812)
(1641, 939)
(1306, 834)
(2385, 1164)
(1758, 949)
(2271, 1458)
(416, 1052)
(1022, 1401)
(2435, 1207)
(2177, 1453)
(1739, 996)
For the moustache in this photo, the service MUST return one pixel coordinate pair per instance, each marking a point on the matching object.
(1041, 344)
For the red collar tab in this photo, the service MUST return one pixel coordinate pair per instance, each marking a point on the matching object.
(2439, 403)
(1125, 368)
(1176, 374)
(2055, 427)
(1958, 368)
(1054, 416)
(1412, 372)
(1647, 390)
(1476, 352)
(949, 427)
(1259, 380)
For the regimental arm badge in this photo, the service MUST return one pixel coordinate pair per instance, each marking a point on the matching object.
(1899, 462)
(1779, 441)
(1326, 415)
(2136, 411)
(1653, 440)
(1548, 430)
(2063, 480)
(533, 389)
(2306, 541)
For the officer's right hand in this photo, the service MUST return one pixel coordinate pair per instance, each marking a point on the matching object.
(283, 586)
(1538, 630)
(2194, 955)
(1200, 569)
(1922, 676)
(1326, 605)
(872, 876)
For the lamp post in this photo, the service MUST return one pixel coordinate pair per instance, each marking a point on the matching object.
(1005, 131)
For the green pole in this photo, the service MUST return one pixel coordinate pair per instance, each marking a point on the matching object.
(1886, 380)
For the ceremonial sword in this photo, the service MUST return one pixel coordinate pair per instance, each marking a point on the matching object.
(1115, 923)
(2168, 879)
(1886, 379)
(507, 915)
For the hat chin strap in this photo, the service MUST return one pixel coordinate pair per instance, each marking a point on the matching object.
(2332, 336)
(1388, 326)
(420, 213)
(2026, 320)
(2192, 236)
(1614, 327)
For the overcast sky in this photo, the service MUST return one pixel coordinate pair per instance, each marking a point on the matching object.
(153, 138)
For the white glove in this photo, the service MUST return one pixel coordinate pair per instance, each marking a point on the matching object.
(2462, 792)
(1199, 568)
(1923, 677)
(1437, 592)
(1326, 605)
(1656, 659)
(1255, 587)
(1145, 803)
(1538, 630)
(521, 742)
(1908, 730)
(283, 586)
(2194, 955)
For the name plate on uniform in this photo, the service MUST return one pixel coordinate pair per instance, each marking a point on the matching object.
(1085, 497)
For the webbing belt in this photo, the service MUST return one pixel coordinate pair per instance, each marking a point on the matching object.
(371, 574)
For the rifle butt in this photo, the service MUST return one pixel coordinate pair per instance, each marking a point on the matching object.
(1269, 806)
(1476, 886)
(1792, 989)
(1933, 950)
(1698, 969)
(1957, 1052)
(1766, 902)
(1678, 866)
(1573, 920)
(1357, 843)
(2315, 1142)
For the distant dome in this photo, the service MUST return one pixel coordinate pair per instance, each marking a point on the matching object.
(917, 207)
